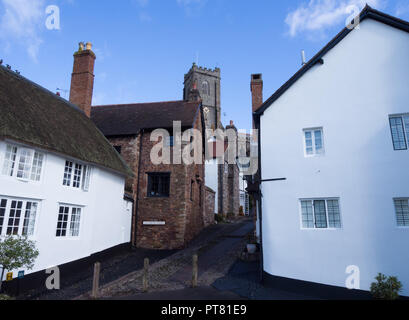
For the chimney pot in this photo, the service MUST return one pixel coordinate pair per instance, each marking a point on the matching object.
(89, 46)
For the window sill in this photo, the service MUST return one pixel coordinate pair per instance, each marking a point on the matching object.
(67, 238)
(10, 178)
(321, 229)
(164, 197)
(314, 155)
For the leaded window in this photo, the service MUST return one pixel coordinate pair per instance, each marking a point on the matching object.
(400, 131)
(158, 185)
(402, 212)
(320, 214)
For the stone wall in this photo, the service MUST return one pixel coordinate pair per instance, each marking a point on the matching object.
(210, 207)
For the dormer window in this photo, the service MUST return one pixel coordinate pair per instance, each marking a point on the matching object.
(23, 163)
(77, 175)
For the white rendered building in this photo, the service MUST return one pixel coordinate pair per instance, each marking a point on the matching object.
(338, 132)
(61, 182)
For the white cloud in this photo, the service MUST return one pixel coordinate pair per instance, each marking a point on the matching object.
(191, 6)
(142, 3)
(22, 21)
(318, 15)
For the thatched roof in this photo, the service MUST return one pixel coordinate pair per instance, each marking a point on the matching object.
(35, 116)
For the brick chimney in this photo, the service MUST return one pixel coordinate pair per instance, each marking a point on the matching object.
(82, 79)
(257, 91)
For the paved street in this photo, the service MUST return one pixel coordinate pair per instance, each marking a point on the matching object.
(218, 248)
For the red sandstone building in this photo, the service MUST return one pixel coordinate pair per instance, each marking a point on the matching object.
(169, 199)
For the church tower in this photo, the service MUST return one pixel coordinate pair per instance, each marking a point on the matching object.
(208, 83)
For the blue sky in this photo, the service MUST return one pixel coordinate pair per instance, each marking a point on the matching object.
(144, 47)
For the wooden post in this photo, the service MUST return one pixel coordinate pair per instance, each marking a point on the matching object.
(146, 275)
(95, 282)
(195, 271)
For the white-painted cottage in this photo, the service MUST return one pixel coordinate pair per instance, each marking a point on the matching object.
(61, 182)
(338, 132)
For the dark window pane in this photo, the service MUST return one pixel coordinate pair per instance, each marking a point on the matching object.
(398, 133)
(320, 214)
(158, 184)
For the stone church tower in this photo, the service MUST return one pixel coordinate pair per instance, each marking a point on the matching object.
(208, 83)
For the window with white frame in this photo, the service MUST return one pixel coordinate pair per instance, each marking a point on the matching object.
(314, 142)
(23, 163)
(400, 131)
(402, 212)
(69, 220)
(17, 217)
(320, 214)
(77, 175)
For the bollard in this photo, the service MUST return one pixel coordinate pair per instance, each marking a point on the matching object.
(146, 275)
(95, 282)
(195, 271)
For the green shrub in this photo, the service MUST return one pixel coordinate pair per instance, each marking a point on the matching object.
(5, 297)
(386, 288)
(15, 253)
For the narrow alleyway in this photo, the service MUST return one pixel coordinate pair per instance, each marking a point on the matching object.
(218, 248)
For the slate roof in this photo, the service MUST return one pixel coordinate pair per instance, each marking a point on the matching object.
(366, 13)
(35, 116)
(129, 119)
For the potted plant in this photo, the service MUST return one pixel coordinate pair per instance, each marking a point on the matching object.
(252, 244)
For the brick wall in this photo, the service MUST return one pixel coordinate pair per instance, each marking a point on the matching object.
(130, 153)
(183, 217)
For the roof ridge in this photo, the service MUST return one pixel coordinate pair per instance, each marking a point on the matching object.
(22, 78)
(367, 12)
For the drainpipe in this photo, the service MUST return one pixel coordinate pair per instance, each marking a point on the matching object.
(260, 210)
(138, 188)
